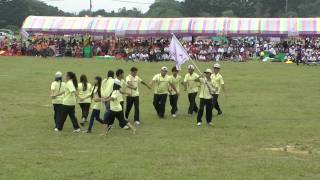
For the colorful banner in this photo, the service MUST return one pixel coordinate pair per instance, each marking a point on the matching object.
(166, 26)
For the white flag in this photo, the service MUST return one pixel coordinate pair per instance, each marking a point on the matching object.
(177, 52)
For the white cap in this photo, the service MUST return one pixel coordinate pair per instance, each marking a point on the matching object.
(191, 67)
(217, 66)
(58, 74)
(117, 82)
(164, 69)
(208, 71)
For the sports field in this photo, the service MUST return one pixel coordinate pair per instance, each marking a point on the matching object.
(269, 130)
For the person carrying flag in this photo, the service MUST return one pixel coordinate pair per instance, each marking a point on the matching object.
(207, 88)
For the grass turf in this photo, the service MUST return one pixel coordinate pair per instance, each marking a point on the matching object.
(268, 105)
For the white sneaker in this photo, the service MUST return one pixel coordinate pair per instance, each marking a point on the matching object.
(77, 131)
(137, 123)
(199, 124)
(56, 130)
(174, 115)
(126, 128)
(210, 124)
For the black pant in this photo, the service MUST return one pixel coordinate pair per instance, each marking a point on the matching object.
(192, 103)
(215, 102)
(85, 107)
(68, 110)
(112, 115)
(57, 113)
(95, 115)
(122, 124)
(159, 103)
(174, 103)
(130, 102)
(208, 104)
(106, 114)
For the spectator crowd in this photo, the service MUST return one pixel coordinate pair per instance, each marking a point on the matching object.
(233, 49)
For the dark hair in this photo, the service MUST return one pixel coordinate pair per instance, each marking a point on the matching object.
(174, 69)
(116, 87)
(99, 79)
(110, 74)
(59, 79)
(84, 81)
(119, 72)
(134, 69)
(73, 77)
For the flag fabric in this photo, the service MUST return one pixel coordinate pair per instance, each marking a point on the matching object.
(24, 34)
(177, 52)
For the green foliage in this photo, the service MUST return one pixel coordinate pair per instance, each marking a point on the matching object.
(165, 8)
(13, 12)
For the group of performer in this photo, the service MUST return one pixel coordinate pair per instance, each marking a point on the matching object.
(111, 92)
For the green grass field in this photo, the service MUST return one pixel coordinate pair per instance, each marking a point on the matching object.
(269, 105)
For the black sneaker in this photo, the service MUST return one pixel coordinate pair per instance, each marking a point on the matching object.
(219, 113)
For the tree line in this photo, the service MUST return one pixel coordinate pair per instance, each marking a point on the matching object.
(13, 12)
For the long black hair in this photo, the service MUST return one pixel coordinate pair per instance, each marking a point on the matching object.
(73, 77)
(84, 81)
(59, 79)
(98, 85)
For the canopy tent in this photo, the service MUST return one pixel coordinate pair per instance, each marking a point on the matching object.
(118, 26)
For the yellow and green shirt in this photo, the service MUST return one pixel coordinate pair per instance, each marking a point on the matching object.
(107, 87)
(161, 84)
(69, 98)
(192, 84)
(176, 81)
(134, 82)
(122, 89)
(115, 102)
(57, 88)
(86, 93)
(205, 85)
(218, 81)
(96, 105)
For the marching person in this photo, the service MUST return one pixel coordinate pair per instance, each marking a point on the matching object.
(57, 86)
(132, 82)
(69, 102)
(192, 87)
(96, 103)
(106, 90)
(175, 79)
(116, 110)
(161, 83)
(84, 90)
(219, 83)
(120, 77)
(206, 90)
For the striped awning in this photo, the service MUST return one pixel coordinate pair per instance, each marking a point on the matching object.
(167, 26)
